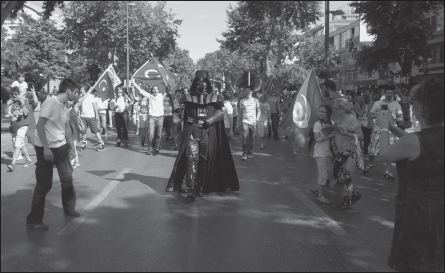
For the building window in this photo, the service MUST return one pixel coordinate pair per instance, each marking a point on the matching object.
(343, 40)
(336, 42)
(368, 29)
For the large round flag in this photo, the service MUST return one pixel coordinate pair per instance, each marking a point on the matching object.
(302, 115)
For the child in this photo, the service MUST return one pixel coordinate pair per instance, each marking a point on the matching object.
(322, 152)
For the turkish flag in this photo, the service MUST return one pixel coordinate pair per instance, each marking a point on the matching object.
(152, 73)
(384, 74)
(303, 113)
(106, 83)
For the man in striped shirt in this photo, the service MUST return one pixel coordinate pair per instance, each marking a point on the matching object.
(249, 114)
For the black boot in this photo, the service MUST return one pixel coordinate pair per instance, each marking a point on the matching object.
(192, 194)
(355, 197)
(345, 205)
(200, 192)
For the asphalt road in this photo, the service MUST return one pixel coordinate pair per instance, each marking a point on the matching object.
(129, 223)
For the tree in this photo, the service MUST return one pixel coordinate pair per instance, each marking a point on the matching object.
(12, 8)
(97, 30)
(37, 49)
(262, 18)
(181, 63)
(395, 24)
(233, 64)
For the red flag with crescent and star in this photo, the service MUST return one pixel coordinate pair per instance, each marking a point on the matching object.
(152, 73)
(106, 83)
(303, 113)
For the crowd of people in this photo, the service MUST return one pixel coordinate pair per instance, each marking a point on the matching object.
(57, 124)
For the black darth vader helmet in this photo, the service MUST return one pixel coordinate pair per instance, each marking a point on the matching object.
(201, 84)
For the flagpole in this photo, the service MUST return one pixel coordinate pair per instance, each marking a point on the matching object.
(166, 86)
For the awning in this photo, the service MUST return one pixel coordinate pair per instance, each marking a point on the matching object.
(365, 82)
(6, 81)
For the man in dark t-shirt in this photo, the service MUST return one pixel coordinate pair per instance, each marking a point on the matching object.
(19, 126)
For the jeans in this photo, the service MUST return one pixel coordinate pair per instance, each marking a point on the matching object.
(274, 126)
(154, 132)
(44, 182)
(103, 124)
(121, 125)
(248, 137)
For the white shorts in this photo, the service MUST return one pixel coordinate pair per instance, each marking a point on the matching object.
(18, 138)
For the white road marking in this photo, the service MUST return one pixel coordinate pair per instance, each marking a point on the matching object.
(332, 225)
(72, 225)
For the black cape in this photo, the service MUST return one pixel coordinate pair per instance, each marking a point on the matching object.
(221, 172)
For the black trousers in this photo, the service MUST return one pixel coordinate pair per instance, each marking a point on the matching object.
(274, 126)
(366, 139)
(44, 182)
(121, 125)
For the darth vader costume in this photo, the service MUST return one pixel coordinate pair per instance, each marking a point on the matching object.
(204, 163)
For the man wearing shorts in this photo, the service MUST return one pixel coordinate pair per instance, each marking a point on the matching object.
(386, 106)
(90, 118)
(19, 110)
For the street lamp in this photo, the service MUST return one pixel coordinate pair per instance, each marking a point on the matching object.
(326, 31)
(128, 54)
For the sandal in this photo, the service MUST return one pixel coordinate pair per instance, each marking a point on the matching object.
(323, 200)
(27, 164)
(389, 175)
(314, 191)
(367, 169)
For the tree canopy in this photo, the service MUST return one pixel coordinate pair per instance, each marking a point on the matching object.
(97, 30)
(12, 8)
(395, 24)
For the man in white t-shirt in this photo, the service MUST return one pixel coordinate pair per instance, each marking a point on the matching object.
(155, 117)
(386, 106)
(228, 115)
(54, 146)
(23, 86)
(248, 117)
(90, 118)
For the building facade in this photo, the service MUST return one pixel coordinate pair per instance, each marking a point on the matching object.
(346, 35)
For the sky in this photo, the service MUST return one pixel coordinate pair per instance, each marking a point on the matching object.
(203, 22)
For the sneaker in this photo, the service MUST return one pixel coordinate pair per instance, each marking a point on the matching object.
(244, 157)
(174, 148)
(118, 143)
(11, 167)
(367, 169)
(149, 152)
(27, 164)
(20, 157)
(345, 205)
(249, 156)
(389, 175)
(106, 137)
(72, 213)
(41, 226)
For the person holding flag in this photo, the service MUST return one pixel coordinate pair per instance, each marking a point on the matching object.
(344, 164)
(156, 116)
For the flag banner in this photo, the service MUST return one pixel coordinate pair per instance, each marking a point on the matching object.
(303, 113)
(106, 83)
(152, 73)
